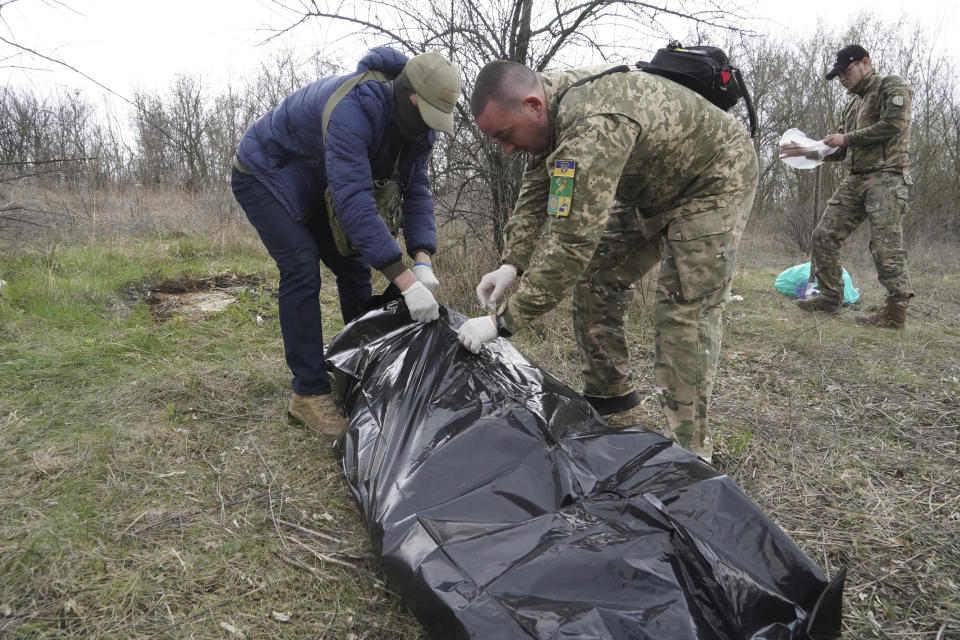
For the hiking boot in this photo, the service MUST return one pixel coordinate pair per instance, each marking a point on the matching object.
(892, 316)
(617, 404)
(320, 413)
(823, 302)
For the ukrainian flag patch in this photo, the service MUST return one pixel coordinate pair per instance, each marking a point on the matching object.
(561, 188)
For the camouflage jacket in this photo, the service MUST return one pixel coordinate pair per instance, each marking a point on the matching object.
(876, 125)
(633, 136)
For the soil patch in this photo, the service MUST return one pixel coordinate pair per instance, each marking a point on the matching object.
(197, 297)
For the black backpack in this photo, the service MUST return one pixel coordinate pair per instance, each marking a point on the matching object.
(706, 70)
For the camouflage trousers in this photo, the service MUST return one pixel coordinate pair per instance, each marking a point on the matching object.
(881, 199)
(696, 254)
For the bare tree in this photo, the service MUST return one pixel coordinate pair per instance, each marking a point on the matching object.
(49, 139)
(153, 162)
(188, 119)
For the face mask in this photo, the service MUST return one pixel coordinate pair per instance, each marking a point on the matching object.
(407, 115)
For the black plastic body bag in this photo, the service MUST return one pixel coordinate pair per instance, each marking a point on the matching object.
(503, 507)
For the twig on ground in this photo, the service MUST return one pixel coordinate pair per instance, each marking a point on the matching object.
(209, 464)
(325, 558)
(223, 511)
(294, 561)
(311, 532)
(273, 481)
(336, 612)
(348, 565)
(187, 516)
(228, 416)
(208, 610)
(135, 521)
(903, 563)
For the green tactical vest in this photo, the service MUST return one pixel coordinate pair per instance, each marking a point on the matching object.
(386, 193)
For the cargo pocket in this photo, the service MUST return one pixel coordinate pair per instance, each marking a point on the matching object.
(903, 198)
(702, 247)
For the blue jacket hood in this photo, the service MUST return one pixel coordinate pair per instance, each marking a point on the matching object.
(385, 59)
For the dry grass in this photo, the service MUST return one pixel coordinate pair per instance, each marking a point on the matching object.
(34, 213)
(152, 487)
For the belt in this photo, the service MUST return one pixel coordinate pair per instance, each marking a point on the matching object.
(239, 166)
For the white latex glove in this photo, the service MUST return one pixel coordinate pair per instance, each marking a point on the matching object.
(424, 273)
(422, 305)
(493, 285)
(474, 332)
(801, 152)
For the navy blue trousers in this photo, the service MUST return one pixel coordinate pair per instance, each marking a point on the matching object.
(298, 249)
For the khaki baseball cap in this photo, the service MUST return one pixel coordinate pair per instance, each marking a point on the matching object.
(437, 85)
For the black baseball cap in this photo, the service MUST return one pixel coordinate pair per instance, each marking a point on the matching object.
(850, 53)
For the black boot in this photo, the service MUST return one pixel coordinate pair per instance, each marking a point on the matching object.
(616, 404)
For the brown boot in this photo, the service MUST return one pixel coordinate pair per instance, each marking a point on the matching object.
(320, 413)
(823, 302)
(892, 316)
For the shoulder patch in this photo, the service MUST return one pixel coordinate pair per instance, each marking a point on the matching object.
(897, 100)
(561, 188)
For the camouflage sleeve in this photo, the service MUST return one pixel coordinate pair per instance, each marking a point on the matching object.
(529, 215)
(896, 97)
(836, 156)
(600, 146)
(841, 153)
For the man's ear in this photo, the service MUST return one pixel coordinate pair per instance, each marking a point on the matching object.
(533, 102)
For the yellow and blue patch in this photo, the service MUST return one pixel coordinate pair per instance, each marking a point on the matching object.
(561, 188)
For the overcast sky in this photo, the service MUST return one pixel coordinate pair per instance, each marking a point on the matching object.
(141, 44)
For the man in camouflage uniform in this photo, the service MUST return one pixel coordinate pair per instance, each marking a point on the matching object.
(873, 138)
(629, 170)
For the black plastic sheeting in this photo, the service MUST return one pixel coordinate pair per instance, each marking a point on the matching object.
(503, 507)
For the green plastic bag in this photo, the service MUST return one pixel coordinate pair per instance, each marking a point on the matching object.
(786, 283)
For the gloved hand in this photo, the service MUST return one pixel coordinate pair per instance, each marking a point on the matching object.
(474, 332)
(422, 305)
(424, 273)
(493, 285)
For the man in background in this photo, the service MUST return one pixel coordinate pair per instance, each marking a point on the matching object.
(322, 176)
(873, 139)
(629, 170)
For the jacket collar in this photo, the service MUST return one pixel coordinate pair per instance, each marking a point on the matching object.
(554, 86)
(866, 83)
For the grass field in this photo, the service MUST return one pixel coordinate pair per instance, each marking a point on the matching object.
(151, 487)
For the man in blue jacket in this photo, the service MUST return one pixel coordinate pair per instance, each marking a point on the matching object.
(362, 150)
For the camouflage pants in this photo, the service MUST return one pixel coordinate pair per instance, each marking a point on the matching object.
(696, 254)
(881, 199)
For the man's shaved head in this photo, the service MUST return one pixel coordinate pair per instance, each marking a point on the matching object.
(505, 83)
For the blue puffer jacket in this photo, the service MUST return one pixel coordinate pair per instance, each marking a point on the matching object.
(284, 149)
